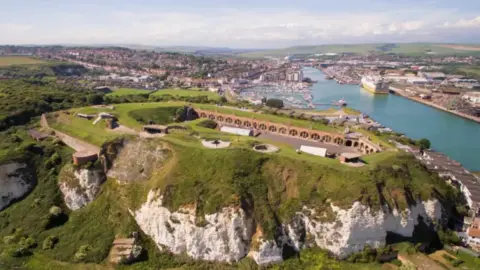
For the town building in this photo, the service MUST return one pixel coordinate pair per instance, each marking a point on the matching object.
(473, 234)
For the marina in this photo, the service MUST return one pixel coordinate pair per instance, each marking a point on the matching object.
(448, 133)
(455, 136)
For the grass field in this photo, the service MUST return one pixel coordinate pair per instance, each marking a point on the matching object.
(128, 92)
(82, 128)
(19, 60)
(186, 93)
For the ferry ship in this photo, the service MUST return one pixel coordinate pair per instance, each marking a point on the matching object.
(375, 85)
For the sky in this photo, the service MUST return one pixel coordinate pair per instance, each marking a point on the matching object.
(238, 24)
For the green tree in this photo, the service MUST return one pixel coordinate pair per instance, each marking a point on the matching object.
(275, 103)
(423, 143)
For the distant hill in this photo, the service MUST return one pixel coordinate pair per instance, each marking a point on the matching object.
(399, 48)
(197, 50)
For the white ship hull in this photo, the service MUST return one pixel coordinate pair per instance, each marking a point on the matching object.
(376, 87)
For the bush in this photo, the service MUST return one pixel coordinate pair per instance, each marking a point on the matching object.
(55, 211)
(423, 143)
(17, 252)
(274, 103)
(49, 242)
(82, 253)
(457, 263)
(28, 242)
(208, 124)
(9, 239)
(396, 262)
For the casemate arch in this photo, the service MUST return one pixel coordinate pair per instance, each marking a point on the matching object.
(361, 144)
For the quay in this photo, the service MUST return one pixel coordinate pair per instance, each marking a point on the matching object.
(402, 93)
(448, 133)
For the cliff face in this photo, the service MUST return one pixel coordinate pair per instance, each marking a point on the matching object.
(16, 180)
(228, 235)
(80, 187)
(224, 236)
(136, 160)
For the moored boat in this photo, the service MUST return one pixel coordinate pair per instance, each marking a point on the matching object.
(375, 85)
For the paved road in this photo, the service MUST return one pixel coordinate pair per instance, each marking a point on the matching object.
(331, 148)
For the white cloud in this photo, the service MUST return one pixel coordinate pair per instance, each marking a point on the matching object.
(475, 22)
(241, 28)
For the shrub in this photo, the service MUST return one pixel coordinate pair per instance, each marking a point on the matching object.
(28, 242)
(82, 253)
(9, 239)
(55, 211)
(49, 242)
(17, 252)
(396, 262)
(423, 143)
(274, 103)
(208, 124)
(457, 263)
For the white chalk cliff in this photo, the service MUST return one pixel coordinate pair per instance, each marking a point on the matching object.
(86, 184)
(228, 235)
(224, 236)
(15, 182)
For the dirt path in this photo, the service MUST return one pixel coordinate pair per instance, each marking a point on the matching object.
(76, 144)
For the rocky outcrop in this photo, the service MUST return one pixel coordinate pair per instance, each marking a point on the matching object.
(80, 187)
(224, 236)
(228, 235)
(358, 226)
(136, 160)
(16, 180)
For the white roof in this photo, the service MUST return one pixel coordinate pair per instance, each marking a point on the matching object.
(237, 131)
(318, 151)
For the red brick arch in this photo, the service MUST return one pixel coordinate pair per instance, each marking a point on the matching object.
(338, 140)
(363, 144)
(304, 134)
(293, 132)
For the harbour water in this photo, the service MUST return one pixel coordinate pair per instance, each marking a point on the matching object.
(448, 133)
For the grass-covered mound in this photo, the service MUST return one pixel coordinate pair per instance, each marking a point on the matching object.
(159, 115)
(276, 187)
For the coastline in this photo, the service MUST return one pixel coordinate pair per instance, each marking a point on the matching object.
(399, 92)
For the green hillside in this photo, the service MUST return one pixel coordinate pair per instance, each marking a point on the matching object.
(401, 48)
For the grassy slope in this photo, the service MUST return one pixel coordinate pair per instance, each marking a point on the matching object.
(186, 93)
(128, 92)
(82, 128)
(19, 60)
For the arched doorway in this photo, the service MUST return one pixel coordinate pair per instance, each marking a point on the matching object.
(272, 128)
